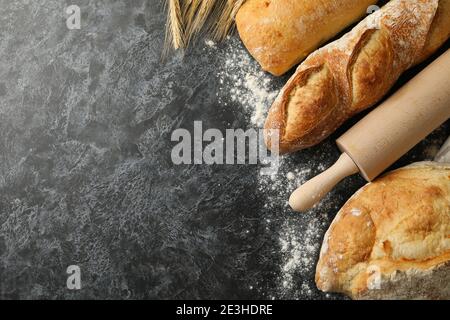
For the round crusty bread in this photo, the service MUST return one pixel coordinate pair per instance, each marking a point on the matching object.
(391, 240)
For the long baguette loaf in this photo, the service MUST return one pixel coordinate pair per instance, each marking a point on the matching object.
(281, 33)
(356, 71)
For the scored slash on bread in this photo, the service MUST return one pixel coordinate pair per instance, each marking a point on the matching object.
(355, 72)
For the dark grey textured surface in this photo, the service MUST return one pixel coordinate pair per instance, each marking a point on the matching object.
(85, 170)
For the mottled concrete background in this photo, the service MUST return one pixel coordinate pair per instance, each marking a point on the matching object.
(85, 170)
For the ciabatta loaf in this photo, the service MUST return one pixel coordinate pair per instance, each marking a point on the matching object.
(356, 71)
(281, 33)
(391, 240)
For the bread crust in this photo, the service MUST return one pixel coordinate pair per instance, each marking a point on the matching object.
(281, 33)
(360, 68)
(391, 240)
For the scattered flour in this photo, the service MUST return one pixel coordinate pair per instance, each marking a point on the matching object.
(300, 235)
(243, 83)
(290, 176)
(210, 43)
(298, 249)
(242, 80)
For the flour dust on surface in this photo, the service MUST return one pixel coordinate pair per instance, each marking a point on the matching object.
(243, 85)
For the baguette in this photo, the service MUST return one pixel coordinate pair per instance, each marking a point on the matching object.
(355, 72)
(281, 33)
(391, 239)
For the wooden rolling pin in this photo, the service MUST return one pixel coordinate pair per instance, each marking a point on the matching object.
(387, 133)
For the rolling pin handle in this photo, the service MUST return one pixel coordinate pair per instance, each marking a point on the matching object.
(310, 193)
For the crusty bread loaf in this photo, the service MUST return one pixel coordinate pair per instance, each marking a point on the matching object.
(281, 33)
(439, 31)
(391, 240)
(356, 71)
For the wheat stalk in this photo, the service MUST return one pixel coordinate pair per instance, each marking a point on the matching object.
(200, 18)
(226, 18)
(187, 21)
(189, 11)
(174, 26)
